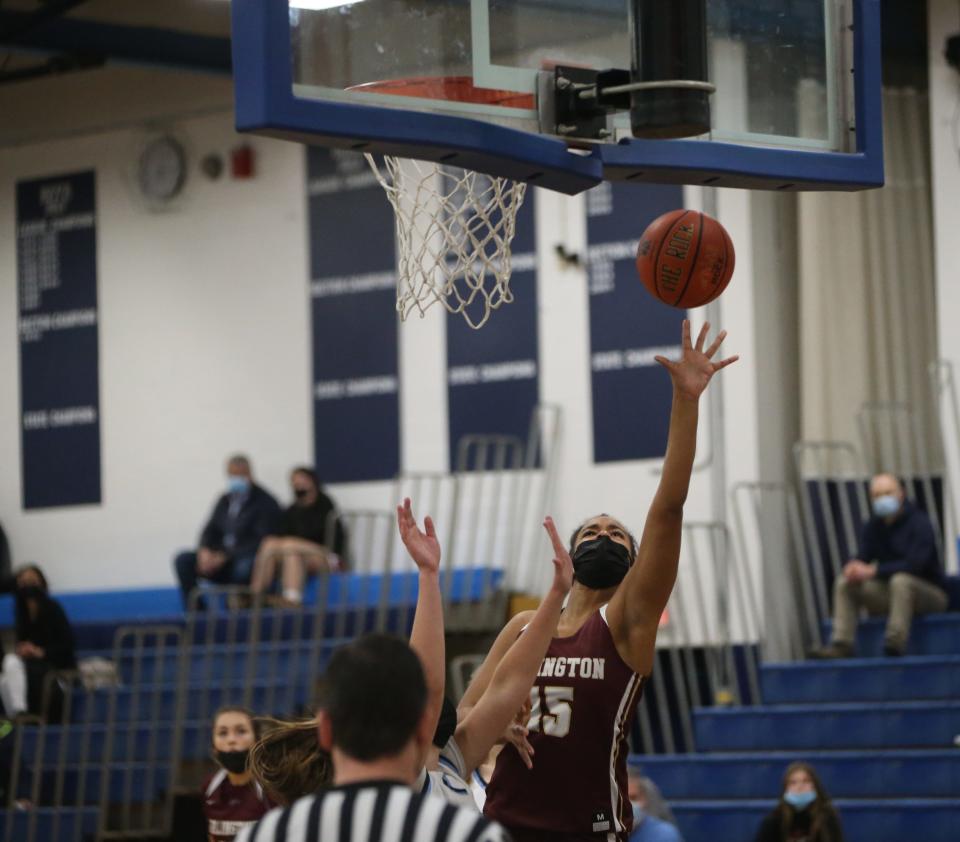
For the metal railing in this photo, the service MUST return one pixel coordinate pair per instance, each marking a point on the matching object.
(771, 540)
(707, 652)
(135, 711)
(892, 438)
(101, 760)
(948, 424)
(488, 514)
(41, 763)
(837, 474)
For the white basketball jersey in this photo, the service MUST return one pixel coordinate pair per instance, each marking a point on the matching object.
(449, 781)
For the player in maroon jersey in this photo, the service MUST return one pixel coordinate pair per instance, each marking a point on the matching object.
(231, 798)
(568, 781)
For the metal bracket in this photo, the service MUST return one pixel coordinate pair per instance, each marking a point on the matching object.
(582, 99)
(578, 116)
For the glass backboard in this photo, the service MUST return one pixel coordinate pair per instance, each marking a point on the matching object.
(463, 81)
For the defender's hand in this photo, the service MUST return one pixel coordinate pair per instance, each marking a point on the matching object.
(562, 563)
(423, 546)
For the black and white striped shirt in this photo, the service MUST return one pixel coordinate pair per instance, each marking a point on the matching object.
(373, 811)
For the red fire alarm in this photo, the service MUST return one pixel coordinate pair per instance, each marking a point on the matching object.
(242, 162)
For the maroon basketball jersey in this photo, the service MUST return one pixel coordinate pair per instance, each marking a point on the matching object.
(582, 708)
(228, 809)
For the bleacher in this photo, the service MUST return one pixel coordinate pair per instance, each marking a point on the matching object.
(879, 731)
(724, 714)
(112, 762)
(883, 733)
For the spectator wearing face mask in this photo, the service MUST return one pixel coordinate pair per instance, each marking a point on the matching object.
(241, 519)
(897, 572)
(652, 818)
(232, 799)
(804, 813)
(44, 644)
(310, 539)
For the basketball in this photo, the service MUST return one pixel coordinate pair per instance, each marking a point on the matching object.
(685, 258)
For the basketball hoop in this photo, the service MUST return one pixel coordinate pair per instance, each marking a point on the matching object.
(454, 226)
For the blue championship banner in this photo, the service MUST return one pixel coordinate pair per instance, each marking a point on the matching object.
(59, 353)
(356, 401)
(493, 381)
(628, 326)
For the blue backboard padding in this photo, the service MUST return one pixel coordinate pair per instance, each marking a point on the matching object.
(265, 104)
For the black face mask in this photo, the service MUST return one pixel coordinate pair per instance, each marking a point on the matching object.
(300, 493)
(233, 761)
(31, 592)
(600, 563)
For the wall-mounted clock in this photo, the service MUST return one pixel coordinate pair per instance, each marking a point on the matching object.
(162, 169)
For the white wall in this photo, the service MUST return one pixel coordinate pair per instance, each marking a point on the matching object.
(944, 20)
(204, 349)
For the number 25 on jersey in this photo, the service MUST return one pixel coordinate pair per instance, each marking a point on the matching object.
(550, 710)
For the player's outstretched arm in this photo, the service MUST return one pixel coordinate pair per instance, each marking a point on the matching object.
(484, 673)
(427, 635)
(514, 676)
(635, 609)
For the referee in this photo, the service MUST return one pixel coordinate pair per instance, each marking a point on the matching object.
(372, 723)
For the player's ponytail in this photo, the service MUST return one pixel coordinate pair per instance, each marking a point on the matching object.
(287, 760)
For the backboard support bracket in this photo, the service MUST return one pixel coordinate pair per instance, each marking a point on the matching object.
(577, 117)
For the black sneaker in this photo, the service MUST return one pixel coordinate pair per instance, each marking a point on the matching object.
(892, 651)
(831, 651)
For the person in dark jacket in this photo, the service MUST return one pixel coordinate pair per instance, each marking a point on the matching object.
(804, 814)
(44, 644)
(310, 540)
(897, 572)
(241, 519)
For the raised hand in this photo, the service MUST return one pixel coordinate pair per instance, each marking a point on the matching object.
(517, 734)
(692, 372)
(423, 546)
(562, 563)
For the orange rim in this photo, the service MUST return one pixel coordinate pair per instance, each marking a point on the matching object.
(449, 89)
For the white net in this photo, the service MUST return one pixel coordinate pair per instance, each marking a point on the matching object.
(454, 230)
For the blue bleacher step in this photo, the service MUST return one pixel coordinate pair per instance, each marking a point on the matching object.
(887, 820)
(49, 825)
(936, 634)
(131, 742)
(134, 783)
(159, 702)
(916, 678)
(221, 662)
(845, 774)
(827, 726)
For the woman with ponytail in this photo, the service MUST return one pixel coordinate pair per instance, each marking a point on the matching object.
(232, 799)
(804, 814)
(287, 760)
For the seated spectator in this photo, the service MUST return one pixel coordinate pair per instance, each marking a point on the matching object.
(897, 572)
(650, 811)
(5, 577)
(301, 545)
(44, 644)
(241, 518)
(232, 799)
(804, 812)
